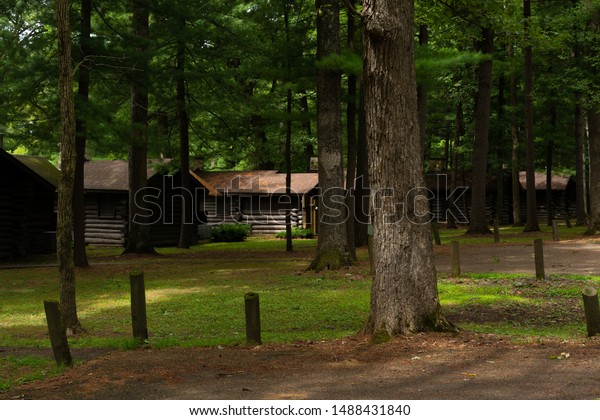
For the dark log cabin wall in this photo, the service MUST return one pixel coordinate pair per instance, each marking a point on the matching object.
(27, 202)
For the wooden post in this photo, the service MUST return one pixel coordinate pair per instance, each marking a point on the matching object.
(538, 246)
(592, 310)
(138, 306)
(58, 334)
(496, 230)
(555, 231)
(436, 233)
(455, 259)
(252, 318)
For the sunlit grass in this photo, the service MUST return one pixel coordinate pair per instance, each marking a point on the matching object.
(196, 298)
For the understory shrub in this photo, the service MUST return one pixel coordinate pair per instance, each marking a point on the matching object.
(230, 233)
(297, 233)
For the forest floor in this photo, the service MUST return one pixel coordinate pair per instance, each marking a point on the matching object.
(422, 366)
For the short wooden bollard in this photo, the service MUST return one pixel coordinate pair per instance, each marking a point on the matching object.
(138, 306)
(252, 305)
(555, 231)
(538, 246)
(455, 259)
(591, 308)
(58, 334)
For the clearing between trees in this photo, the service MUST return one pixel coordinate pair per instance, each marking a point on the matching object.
(514, 363)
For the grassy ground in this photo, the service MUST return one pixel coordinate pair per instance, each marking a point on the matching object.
(195, 298)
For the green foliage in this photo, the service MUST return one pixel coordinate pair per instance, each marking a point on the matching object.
(241, 58)
(297, 233)
(347, 62)
(230, 233)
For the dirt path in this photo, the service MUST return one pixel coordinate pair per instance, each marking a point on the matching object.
(566, 257)
(432, 366)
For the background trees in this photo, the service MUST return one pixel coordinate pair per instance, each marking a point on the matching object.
(332, 250)
(243, 77)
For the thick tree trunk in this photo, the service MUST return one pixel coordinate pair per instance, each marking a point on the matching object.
(289, 247)
(288, 134)
(352, 141)
(404, 296)
(594, 134)
(532, 217)
(579, 165)
(138, 240)
(309, 150)
(549, 158)
(500, 149)
(187, 211)
(479, 223)
(79, 254)
(64, 254)
(451, 221)
(514, 132)
(332, 251)
(361, 194)
(422, 93)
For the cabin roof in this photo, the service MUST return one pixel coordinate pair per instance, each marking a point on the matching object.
(42, 167)
(35, 166)
(558, 182)
(111, 175)
(259, 182)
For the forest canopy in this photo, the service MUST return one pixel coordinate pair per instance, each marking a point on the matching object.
(243, 57)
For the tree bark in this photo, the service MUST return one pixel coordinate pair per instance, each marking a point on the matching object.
(514, 131)
(332, 251)
(532, 217)
(500, 149)
(361, 193)
(479, 223)
(289, 247)
(352, 141)
(579, 165)
(404, 296)
(64, 254)
(594, 139)
(549, 158)
(422, 93)
(187, 211)
(138, 240)
(79, 254)
(458, 133)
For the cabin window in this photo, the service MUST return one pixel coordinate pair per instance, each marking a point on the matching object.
(106, 207)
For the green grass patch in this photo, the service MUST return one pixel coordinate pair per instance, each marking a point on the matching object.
(511, 234)
(196, 298)
(20, 370)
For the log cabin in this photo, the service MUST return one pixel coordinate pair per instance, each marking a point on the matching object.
(27, 205)
(107, 202)
(563, 195)
(259, 198)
